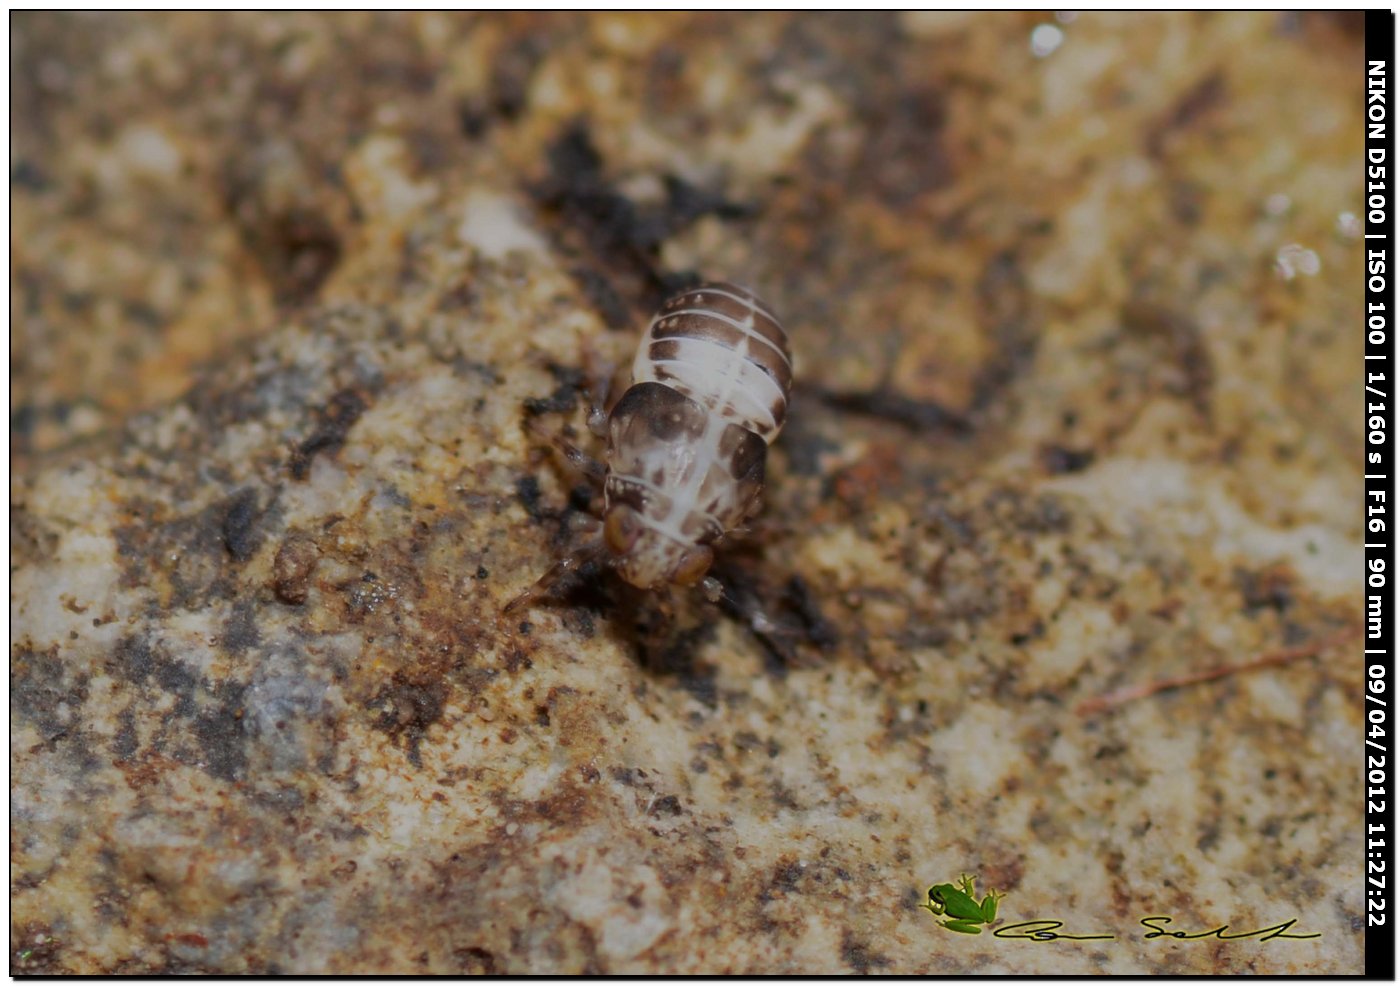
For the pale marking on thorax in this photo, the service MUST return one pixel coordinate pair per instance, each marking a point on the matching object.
(685, 499)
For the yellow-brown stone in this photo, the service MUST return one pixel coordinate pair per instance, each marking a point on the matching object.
(1077, 340)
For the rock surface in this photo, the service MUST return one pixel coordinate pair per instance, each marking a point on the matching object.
(1076, 325)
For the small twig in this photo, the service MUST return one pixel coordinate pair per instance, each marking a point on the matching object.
(1132, 693)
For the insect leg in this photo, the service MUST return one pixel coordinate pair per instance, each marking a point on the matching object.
(571, 562)
(590, 468)
(603, 389)
(597, 415)
(593, 470)
(585, 525)
(748, 608)
(713, 588)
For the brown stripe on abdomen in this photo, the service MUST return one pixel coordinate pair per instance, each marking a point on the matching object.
(760, 350)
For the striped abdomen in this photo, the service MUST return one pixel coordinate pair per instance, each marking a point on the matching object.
(721, 347)
(688, 440)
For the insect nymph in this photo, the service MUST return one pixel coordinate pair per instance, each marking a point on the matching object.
(687, 441)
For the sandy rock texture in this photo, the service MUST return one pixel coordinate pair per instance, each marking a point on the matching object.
(1075, 312)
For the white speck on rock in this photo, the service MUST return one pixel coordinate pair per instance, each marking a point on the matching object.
(1294, 260)
(492, 226)
(1277, 205)
(380, 177)
(1045, 38)
(148, 151)
(623, 905)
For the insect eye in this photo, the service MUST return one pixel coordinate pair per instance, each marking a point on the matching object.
(621, 530)
(693, 565)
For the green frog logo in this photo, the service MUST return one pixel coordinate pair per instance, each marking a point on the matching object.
(959, 902)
